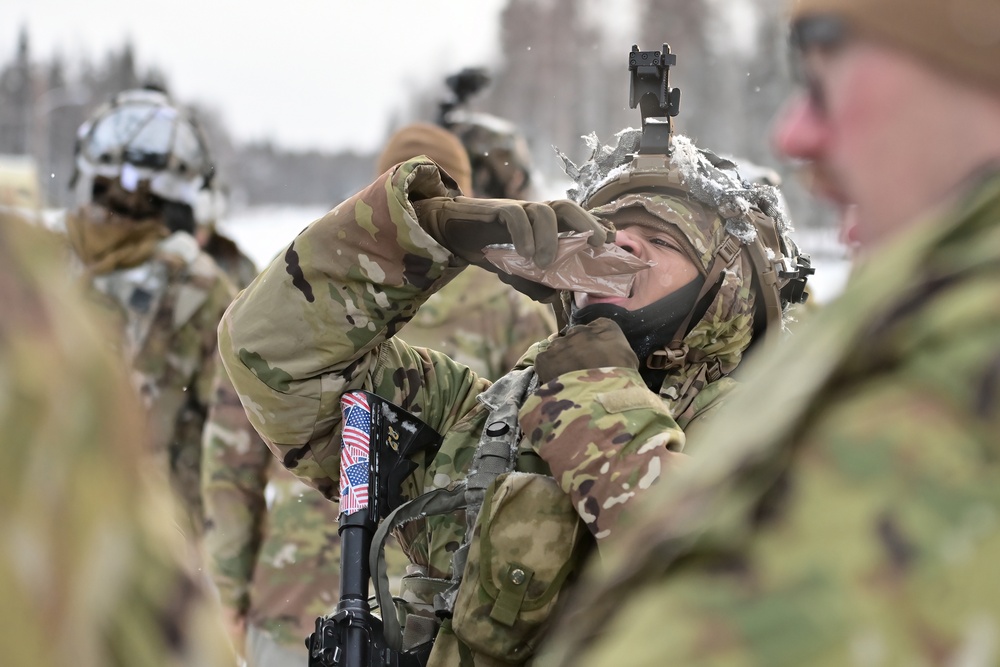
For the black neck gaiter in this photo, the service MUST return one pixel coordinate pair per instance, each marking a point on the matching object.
(648, 328)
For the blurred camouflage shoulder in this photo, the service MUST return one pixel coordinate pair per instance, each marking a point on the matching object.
(93, 570)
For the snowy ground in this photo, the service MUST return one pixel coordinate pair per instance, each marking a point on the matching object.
(264, 231)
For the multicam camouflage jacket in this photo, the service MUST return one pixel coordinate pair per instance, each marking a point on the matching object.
(271, 540)
(167, 310)
(844, 509)
(93, 572)
(481, 322)
(321, 321)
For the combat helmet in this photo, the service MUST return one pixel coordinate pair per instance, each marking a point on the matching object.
(141, 155)
(737, 233)
(499, 153)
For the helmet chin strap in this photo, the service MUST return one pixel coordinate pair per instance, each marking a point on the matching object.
(650, 327)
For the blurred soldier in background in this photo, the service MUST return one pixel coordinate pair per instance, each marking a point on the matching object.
(274, 551)
(93, 570)
(845, 509)
(142, 177)
(499, 154)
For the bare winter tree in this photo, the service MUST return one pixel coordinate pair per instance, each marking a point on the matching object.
(16, 100)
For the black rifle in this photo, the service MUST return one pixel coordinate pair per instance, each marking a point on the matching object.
(352, 636)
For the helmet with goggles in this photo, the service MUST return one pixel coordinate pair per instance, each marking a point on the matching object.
(143, 155)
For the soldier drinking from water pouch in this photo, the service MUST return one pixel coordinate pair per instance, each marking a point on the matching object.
(272, 542)
(534, 469)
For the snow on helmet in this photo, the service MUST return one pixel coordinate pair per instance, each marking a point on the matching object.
(736, 233)
(734, 216)
(142, 142)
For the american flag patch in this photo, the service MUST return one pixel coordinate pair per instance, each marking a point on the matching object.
(354, 453)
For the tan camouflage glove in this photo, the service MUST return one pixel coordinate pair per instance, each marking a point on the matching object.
(598, 344)
(466, 225)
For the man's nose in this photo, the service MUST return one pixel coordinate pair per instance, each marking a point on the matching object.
(628, 242)
(799, 132)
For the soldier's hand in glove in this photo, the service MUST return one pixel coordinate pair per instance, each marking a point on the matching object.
(466, 225)
(595, 345)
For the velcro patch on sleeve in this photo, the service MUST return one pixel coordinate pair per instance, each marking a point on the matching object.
(632, 398)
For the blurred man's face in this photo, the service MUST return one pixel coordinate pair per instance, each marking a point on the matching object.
(869, 123)
(671, 270)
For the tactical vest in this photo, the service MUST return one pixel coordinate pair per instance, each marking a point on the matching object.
(502, 590)
(156, 301)
(139, 291)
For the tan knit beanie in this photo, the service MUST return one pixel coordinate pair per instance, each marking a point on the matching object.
(962, 36)
(436, 143)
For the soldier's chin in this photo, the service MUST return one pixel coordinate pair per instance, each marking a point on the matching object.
(584, 300)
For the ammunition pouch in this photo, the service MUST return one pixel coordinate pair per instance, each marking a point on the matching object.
(517, 565)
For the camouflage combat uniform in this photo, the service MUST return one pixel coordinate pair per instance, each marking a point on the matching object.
(845, 511)
(93, 572)
(480, 322)
(320, 321)
(167, 308)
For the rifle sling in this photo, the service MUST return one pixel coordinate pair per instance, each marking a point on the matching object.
(495, 454)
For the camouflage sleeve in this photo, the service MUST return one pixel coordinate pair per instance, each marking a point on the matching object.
(747, 573)
(220, 296)
(234, 474)
(179, 363)
(315, 324)
(605, 437)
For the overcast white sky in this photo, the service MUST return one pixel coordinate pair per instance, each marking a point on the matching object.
(307, 73)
